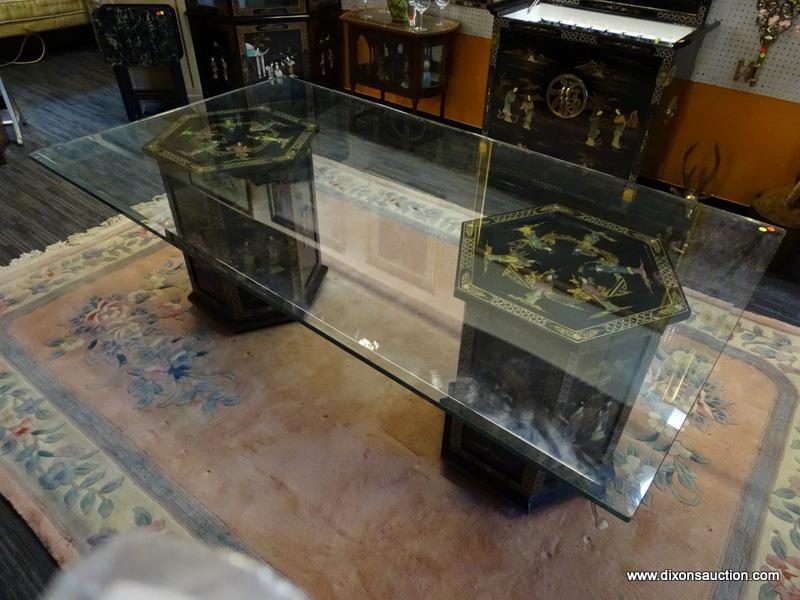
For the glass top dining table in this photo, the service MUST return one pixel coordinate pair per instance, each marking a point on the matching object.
(569, 316)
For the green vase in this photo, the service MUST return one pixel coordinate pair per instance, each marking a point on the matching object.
(399, 10)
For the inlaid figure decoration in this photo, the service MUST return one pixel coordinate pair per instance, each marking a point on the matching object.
(268, 59)
(591, 111)
(584, 86)
(775, 17)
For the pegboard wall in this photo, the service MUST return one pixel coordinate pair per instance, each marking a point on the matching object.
(737, 38)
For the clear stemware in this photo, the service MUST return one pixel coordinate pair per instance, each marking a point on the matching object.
(441, 4)
(412, 15)
(422, 6)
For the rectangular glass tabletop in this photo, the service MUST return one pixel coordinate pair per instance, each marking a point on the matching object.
(567, 315)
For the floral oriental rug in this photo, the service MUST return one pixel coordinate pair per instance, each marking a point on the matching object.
(122, 406)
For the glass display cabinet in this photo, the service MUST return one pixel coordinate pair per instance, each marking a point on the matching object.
(397, 58)
(564, 320)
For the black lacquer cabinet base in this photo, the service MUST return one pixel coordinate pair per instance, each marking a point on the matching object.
(514, 478)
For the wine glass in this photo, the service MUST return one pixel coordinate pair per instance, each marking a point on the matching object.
(412, 16)
(441, 4)
(365, 6)
(422, 6)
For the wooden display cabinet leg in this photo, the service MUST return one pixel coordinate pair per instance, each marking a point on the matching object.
(503, 472)
(4, 142)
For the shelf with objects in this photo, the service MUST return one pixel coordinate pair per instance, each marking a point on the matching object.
(390, 54)
(239, 43)
(565, 324)
(585, 82)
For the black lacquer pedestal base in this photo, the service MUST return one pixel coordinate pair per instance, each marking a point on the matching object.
(503, 472)
(234, 306)
(4, 142)
(267, 317)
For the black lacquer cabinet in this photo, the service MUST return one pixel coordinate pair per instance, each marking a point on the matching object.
(235, 47)
(258, 8)
(564, 86)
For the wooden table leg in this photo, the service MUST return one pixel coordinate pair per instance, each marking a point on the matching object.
(352, 58)
(445, 73)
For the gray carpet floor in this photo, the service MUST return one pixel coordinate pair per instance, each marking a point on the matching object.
(66, 95)
(70, 94)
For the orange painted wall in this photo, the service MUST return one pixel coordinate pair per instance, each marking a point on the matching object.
(759, 138)
(466, 95)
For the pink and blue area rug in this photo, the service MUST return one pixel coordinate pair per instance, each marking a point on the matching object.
(123, 407)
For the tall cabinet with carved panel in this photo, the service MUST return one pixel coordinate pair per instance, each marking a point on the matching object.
(242, 42)
(585, 82)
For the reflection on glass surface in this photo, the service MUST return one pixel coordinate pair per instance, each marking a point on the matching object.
(432, 66)
(273, 52)
(571, 316)
(386, 61)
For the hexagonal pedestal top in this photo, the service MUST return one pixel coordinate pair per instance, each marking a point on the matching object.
(577, 276)
(232, 140)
